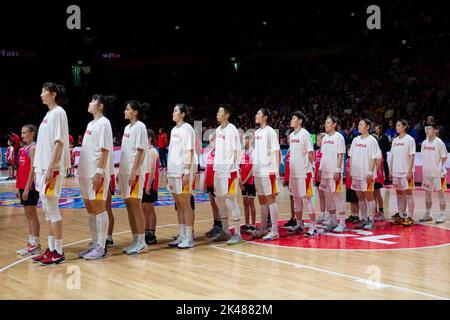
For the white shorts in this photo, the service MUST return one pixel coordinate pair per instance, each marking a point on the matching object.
(266, 186)
(87, 190)
(301, 187)
(330, 185)
(53, 189)
(434, 184)
(226, 185)
(133, 192)
(402, 183)
(175, 185)
(362, 185)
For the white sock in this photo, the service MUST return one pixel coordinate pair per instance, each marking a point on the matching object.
(237, 227)
(182, 232)
(333, 218)
(135, 238)
(109, 237)
(30, 239)
(371, 208)
(312, 218)
(36, 240)
(401, 203)
(141, 238)
(236, 214)
(189, 233)
(102, 228)
(58, 246)
(410, 201)
(274, 216)
(342, 220)
(264, 215)
(93, 227)
(51, 243)
(363, 209)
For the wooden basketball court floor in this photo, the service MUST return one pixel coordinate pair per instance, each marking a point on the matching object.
(332, 268)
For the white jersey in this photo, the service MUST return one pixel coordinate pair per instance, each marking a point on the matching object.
(54, 127)
(98, 136)
(300, 144)
(432, 154)
(181, 146)
(332, 146)
(362, 152)
(227, 152)
(401, 149)
(265, 153)
(134, 137)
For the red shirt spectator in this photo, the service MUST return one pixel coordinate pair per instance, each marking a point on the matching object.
(162, 140)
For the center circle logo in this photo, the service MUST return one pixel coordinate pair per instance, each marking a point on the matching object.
(384, 237)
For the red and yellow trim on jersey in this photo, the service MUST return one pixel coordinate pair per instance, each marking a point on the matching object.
(50, 187)
(309, 186)
(134, 190)
(232, 183)
(339, 184)
(370, 186)
(273, 183)
(112, 184)
(444, 183)
(411, 183)
(100, 191)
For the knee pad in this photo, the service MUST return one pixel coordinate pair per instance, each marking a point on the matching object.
(298, 204)
(52, 209)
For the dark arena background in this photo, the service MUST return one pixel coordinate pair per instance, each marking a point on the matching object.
(382, 61)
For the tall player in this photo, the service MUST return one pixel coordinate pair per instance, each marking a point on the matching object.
(181, 168)
(134, 164)
(300, 173)
(226, 168)
(266, 163)
(401, 169)
(364, 153)
(94, 174)
(51, 160)
(330, 172)
(434, 156)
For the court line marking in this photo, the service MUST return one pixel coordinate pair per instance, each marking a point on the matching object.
(85, 240)
(346, 250)
(334, 273)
